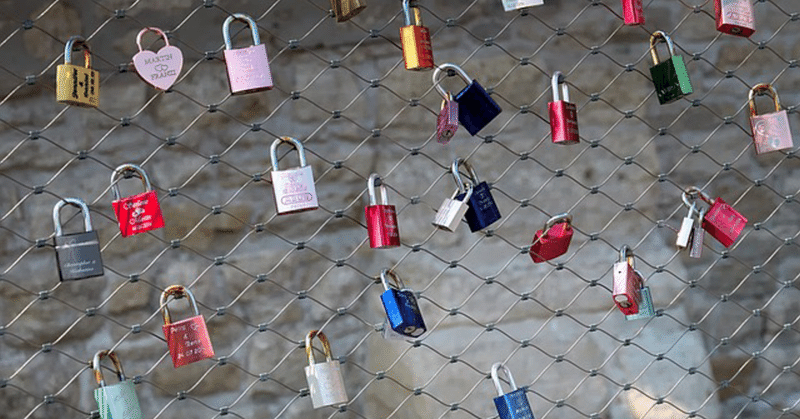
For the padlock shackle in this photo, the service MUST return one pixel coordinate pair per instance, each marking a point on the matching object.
(495, 367)
(226, 29)
(654, 40)
(461, 73)
(326, 346)
(626, 254)
(467, 195)
(151, 29)
(458, 161)
(87, 220)
(98, 372)
(767, 89)
(273, 151)
(373, 178)
(386, 284)
(132, 168)
(177, 291)
(694, 190)
(558, 78)
(72, 43)
(560, 218)
(407, 10)
(448, 97)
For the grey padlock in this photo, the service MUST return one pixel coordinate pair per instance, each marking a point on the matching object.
(77, 254)
(452, 210)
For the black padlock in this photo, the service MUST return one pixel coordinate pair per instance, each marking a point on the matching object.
(77, 254)
(482, 210)
(475, 107)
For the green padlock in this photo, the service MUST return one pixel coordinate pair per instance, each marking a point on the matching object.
(670, 77)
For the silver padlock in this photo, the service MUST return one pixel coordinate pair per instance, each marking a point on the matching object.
(452, 210)
(325, 382)
(293, 189)
(687, 225)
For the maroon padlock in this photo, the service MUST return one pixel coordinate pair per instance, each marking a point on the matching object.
(721, 221)
(381, 219)
(563, 114)
(553, 240)
(188, 340)
(627, 283)
(447, 122)
(138, 213)
(633, 12)
(771, 131)
(735, 17)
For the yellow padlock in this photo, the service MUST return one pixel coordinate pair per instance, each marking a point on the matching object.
(77, 85)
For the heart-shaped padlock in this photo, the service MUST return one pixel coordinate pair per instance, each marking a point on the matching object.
(159, 69)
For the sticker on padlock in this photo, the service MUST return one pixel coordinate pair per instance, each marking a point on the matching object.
(475, 107)
(453, 210)
(292, 189)
(77, 254)
(345, 10)
(401, 306)
(158, 69)
(633, 12)
(563, 114)
(187, 339)
(248, 68)
(482, 211)
(381, 219)
(553, 240)
(721, 221)
(512, 405)
(771, 131)
(77, 85)
(627, 283)
(646, 308)
(415, 40)
(447, 121)
(510, 5)
(670, 77)
(325, 381)
(735, 17)
(117, 401)
(138, 213)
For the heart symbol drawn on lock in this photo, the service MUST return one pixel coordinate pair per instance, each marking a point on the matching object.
(159, 69)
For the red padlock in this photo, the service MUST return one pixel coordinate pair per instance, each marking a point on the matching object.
(447, 121)
(627, 283)
(381, 219)
(139, 213)
(735, 17)
(721, 221)
(563, 114)
(188, 339)
(552, 241)
(771, 131)
(633, 11)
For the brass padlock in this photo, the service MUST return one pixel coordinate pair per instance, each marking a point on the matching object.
(77, 85)
(346, 9)
(415, 40)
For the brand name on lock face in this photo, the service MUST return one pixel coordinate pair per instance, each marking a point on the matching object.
(296, 199)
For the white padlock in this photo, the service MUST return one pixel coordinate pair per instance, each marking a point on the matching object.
(325, 382)
(452, 210)
(293, 189)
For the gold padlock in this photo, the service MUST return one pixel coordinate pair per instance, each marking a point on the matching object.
(77, 85)
(346, 9)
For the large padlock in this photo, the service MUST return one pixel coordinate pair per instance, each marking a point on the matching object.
(77, 254)
(325, 381)
(248, 68)
(447, 121)
(553, 240)
(482, 211)
(187, 339)
(452, 210)
(563, 114)
(512, 405)
(670, 77)
(735, 17)
(415, 40)
(475, 107)
(344, 10)
(138, 213)
(292, 189)
(771, 131)
(381, 219)
(159, 69)
(76, 85)
(116, 401)
(510, 5)
(627, 283)
(401, 307)
(721, 221)
(633, 12)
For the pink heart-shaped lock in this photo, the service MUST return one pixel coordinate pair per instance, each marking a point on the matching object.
(162, 68)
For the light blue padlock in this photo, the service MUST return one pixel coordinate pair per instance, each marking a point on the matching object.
(117, 401)
(646, 309)
(513, 405)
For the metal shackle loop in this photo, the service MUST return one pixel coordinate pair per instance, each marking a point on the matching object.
(654, 40)
(371, 190)
(151, 29)
(458, 161)
(496, 366)
(385, 281)
(226, 29)
(98, 373)
(273, 151)
(177, 291)
(407, 13)
(694, 190)
(467, 195)
(128, 167)
(767, 89)
(72, 43)
(326, 346)
(558, 78)
(87, 220)
(626, 254)
(560, 218)
(461, 73)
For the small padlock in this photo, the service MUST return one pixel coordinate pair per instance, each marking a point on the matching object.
(116, 401)
(187, 339)
(721, 221)
(512, 405)
(77, 85)
(510, 5)
(381, 219)
(670, 77)
(698, 236)
(415, 40)
(344, 10)
(482, 211)
(77, 254)
(646, 308)
(687, 225)
(452, 210)
(158, 69)
(138, 213)
(475, 107)
(627, 283)
(633, 12)
(735, 17)
(563, 114)
(292, 189)
(325, 381)
(248, 68)
(771, 131)
(401, 307)
(447, 121)
(553, 240)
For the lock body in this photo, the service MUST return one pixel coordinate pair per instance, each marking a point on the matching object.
(646, 309)
(78, 256)
(723, 222)
(735, 17)
(633, 12)
(403, 312)
(510, 5)
(382, 226)
(293, 190)
(118, 401)
(476, 108)
(450, 214)
(347, 9)
(417, 50)
(771, 132)
(325, 384)
(447, 121)
(552, 243)
(671, 79)
(77, 85)
(514, 405)
(138, 213)
(563, 122)
(188, 341)
(627, 285)
(482, 211)
(248, 69)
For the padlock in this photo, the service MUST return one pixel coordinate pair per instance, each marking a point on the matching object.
(563, 114)
(139, 213)
(627, 283)
(159, 69)
(381, 219)
(292, 189)
(687, 225)
(670, 77)
(735, 17)
(77, 254)
(771, 131)
(77, 85)
(248, 68)
(633, 12)
(721, 221)
(344, 10)
(698, 236)
(646, 308)
(447, 121)
(187, 339)
(475, 107)
(116, 401)
(452, 210)
(401, 307)
(415, 40)
(512, 405)
(325, 381)
(553, 240)
(510, 5)
(482, 211)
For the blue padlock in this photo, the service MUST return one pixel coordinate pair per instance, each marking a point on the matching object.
(475, 107)
(482, 210)
(401, 307)
(513, 405)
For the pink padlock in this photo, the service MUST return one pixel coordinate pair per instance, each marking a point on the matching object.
(633, 12)
(381, 218)
(771, 131)
(248, 68)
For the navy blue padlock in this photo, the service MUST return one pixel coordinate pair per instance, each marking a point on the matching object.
(513, 405)
(475, 107)
(401, 307)
(482, 210)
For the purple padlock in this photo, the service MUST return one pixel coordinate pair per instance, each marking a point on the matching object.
(248, 68)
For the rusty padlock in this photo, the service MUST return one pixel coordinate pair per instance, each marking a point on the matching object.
(77, 85)
(735, 17)
(345, 10)
(553, 240)
(771, 131)
(721, 221)
(187, 339)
